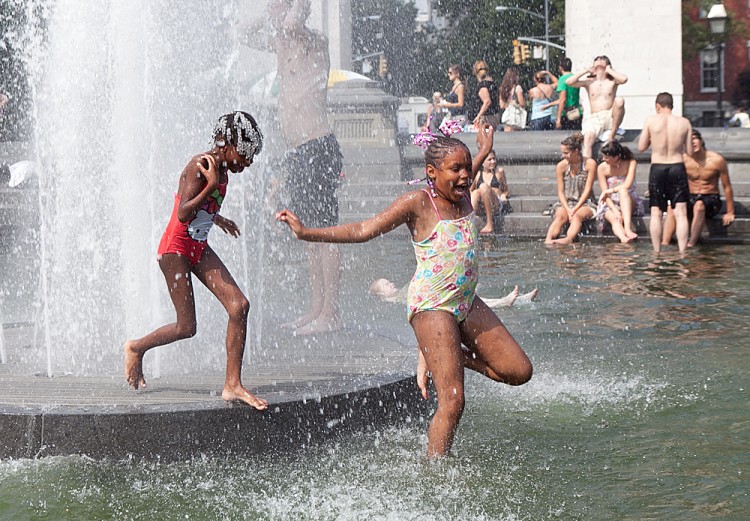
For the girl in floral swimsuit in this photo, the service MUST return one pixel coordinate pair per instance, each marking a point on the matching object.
(184, 251)
(444, 310)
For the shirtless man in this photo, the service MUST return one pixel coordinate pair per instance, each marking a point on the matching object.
(606, 108)
(314, 161)
(669, 137)
(704, 170)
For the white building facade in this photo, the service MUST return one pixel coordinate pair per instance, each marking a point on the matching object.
(642, 38)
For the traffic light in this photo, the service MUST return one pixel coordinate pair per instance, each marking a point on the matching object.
(517, 53)
(382, 66)
(525, 54)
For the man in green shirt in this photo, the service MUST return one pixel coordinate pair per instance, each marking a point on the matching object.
(567, 99)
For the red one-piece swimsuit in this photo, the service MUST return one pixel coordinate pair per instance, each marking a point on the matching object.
(190, 238)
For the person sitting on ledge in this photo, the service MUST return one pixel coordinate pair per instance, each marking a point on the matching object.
(490, 191)
(575, 182)
(704, 171)
(619, 199)
(388, 292)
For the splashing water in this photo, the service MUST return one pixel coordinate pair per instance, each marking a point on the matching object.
(122, 102)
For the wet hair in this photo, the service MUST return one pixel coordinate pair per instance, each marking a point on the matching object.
(605, 58)
(565, 64)
(615, 149)
(510, 80)
(574, 141)
(440, 147)
(665, 100)
(456, 69)
(241, 130)
(697, 133)
(481, 65)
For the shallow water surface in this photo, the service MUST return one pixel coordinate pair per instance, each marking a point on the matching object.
(638, 409)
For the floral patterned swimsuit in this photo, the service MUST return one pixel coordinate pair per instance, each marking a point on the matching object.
(447, 268)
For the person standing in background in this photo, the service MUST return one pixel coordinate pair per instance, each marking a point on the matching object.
(511, 97)
(489, 111)
(454, 100)
(569, 110)
(543, 108)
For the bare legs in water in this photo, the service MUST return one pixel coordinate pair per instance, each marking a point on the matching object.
(490, 350)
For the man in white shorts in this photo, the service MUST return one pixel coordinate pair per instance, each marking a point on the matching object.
(606, 109)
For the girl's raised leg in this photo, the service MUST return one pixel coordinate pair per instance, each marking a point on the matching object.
(493, 351)
(440, 342)
(212, 272)
(176, 270)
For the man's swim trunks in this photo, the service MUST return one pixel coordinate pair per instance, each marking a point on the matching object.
(667, 184)
(314, 170)
(189, 239)
(447, 268)
(712, 203)
(597, 122)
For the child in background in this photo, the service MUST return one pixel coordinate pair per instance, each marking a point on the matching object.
(387, 291)
(443, 308)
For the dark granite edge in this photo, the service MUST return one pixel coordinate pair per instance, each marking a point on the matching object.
(183, 433)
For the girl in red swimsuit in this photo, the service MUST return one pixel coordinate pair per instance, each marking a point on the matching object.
(184, 251)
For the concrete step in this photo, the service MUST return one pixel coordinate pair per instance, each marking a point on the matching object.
(373, 188)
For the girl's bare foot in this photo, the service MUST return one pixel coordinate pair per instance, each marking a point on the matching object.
(133, 367)
(239, 393)
(487, 230)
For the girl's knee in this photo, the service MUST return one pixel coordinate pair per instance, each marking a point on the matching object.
(522, 374)
(452, 401)
(239, 307)
(186, 330)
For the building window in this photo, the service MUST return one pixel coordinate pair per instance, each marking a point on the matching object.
(710, 70)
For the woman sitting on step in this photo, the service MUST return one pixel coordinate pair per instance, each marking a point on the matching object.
(575, 182)
(619, 199)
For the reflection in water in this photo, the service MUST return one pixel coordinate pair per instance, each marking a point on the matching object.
(678, 293)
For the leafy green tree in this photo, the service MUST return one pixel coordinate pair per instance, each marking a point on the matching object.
(387, 27)
(418, 57)
(15, 123)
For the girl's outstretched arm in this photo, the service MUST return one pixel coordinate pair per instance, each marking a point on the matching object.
(401, 211)
(485, 139)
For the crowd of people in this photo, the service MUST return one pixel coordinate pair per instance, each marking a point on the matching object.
(683, 189)
(554, 100)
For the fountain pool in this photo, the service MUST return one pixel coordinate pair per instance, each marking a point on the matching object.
(637, 409)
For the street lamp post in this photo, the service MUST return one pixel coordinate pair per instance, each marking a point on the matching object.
(501, 8)
(717, 21)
